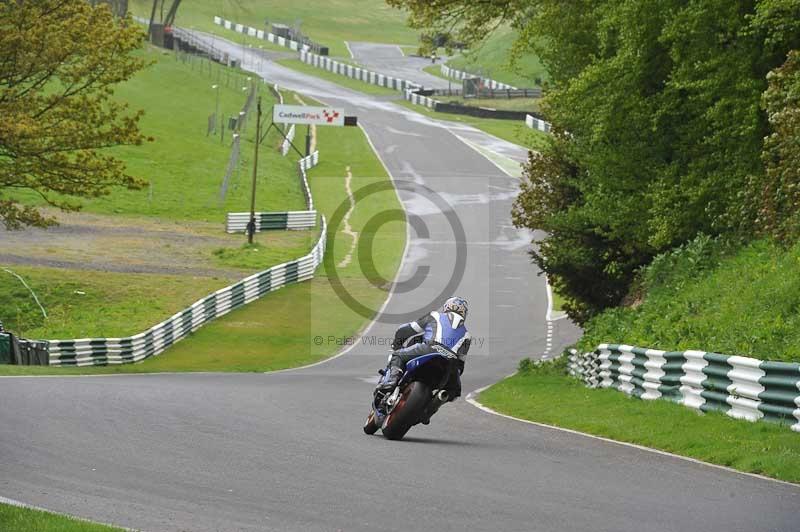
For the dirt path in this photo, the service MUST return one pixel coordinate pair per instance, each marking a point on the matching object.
(118, 244)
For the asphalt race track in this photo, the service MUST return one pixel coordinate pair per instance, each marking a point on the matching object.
(285, 451)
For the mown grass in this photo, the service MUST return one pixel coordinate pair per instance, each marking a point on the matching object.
(558, 301)
(184, 166)
(82, 304)
(279, 330)
(511, 130)
(491, 60)
(16, 519)
(273, 247)
(706, 296)
(328, 22)
(436, 70)
(763, 448)
(344, 81)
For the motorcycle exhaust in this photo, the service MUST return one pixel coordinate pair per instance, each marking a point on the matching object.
(443, 396)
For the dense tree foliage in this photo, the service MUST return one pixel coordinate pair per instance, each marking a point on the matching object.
(774, 196)
(59, 62)
(667, 104)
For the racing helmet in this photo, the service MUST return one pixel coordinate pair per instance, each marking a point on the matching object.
(456, 304)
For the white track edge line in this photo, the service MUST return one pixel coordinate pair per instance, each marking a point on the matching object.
(477, 404)
(20, 504)
(372, 323)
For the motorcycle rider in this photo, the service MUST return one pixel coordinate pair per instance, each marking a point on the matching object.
(443, 328)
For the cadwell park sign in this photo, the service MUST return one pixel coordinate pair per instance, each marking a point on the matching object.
(302, 114)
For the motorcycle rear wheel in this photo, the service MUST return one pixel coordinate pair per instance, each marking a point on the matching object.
(406, 413)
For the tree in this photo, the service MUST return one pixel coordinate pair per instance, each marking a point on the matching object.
(662, 100)
(118, 7)
(774, 197)
(59, 63)
(169, 20)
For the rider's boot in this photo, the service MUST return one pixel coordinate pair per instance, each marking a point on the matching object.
(390, 379)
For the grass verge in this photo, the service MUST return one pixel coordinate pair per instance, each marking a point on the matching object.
(17, 519)
(696, 296)
(80, 304)
(762, 448)
(302, 323)
(184, 165)
(491, 60)
(344, 81)
(327, 22)
(511, 130)
(436, 70)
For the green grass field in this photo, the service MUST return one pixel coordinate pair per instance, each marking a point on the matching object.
(278, 330)
(436, 70)
(344, 81)
(763, 448)
(511, 130)
(185, 168)
(329, 22)
(491, 60)
(16, 519)
(178, 98)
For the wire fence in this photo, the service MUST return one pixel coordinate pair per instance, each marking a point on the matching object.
(239, 126)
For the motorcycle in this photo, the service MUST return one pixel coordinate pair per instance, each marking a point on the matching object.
(418, 395)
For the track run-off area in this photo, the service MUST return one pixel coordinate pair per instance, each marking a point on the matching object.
(285, 450)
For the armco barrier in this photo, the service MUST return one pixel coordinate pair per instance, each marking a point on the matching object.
(266, 36)
(287, 142)
(419, 99)
(354, 72)
(259, 34)
(535, 123)
(460, 75)
(741, 387)
(236, 222)
(105, 351)
(480, 112)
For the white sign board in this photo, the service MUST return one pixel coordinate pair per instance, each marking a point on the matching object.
(303, 114)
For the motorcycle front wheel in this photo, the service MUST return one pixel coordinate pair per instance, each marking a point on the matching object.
(370, 426)
(406, 413)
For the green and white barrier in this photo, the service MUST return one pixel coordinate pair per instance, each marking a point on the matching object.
(286, 144)
(307, 163)
(741, 387)
(461, 75)
(105, 351)
(354, 72)
(534, 123)
(260, 34)
(236, 222)
(419, 99)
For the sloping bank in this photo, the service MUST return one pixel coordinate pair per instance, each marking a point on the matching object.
(704, 296)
